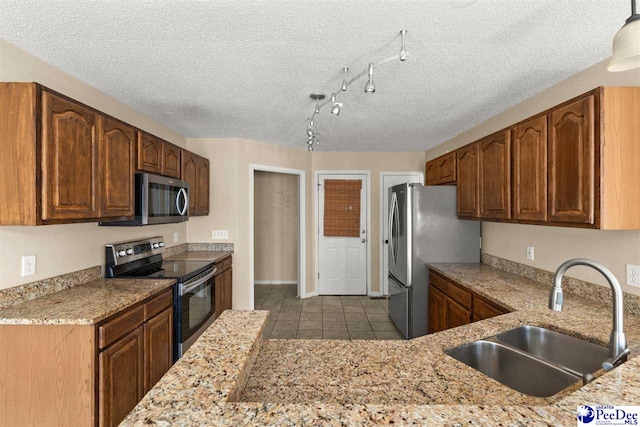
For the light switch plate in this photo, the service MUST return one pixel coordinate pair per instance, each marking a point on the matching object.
(176, 237)
(220, 235)
(530, 253)
(633, 275)
(28, 265)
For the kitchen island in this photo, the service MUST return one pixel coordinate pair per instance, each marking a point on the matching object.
(231, 377)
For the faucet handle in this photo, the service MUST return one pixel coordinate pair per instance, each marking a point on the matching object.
(611, 363)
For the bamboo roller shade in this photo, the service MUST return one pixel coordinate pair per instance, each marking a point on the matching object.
(342, 208)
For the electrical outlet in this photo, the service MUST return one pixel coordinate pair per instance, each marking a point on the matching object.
(633, 275)
(176, 237)
(28, 265)
(220, 235)
(530, 253)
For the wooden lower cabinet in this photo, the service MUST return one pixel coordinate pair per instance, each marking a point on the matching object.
(121, 376)
(224, 287)
(451, 305)
(158, 343)
(85, 375)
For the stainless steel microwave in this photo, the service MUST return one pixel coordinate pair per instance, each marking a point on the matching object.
(159, 200)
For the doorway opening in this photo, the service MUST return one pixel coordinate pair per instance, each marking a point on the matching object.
(277, 246)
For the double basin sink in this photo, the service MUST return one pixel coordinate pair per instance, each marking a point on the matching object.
(533, 360)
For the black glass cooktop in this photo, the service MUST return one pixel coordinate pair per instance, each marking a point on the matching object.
(180, 269)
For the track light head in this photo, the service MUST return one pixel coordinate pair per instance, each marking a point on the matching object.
(310, 148)
(403, 49)
(370, 87)
(310, 132)
(336, 109)
(344, 80)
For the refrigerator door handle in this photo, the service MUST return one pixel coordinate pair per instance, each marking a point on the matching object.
(390, 226)
(396, 236)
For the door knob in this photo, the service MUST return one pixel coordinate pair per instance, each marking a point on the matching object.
(363, 240)
(386, 241)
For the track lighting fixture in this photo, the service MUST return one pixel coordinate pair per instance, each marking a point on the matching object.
(369, 88)
(626, 44)
(344, 80)
(335, 106)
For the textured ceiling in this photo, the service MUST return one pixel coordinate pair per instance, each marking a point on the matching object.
(244, 69)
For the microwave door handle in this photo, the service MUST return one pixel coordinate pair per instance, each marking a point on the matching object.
(182, 211)
(186, 289)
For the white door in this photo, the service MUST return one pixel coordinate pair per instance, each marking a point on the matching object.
(342, 234)
(388, 180)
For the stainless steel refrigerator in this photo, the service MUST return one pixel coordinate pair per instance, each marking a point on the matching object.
(423, 228)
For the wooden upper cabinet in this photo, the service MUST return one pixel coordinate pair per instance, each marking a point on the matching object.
(70, 181)
(530, 170)
(572, 162)
(468, 177)
(447, 168)
(171, 160)
(495, 175)
(149, 153)
(431, 172)
(117, 143)
(202, 199)
(442, 170)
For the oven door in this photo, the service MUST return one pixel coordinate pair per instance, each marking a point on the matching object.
(163, 199)
(195, 310)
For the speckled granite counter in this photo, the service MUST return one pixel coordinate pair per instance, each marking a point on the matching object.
(84, 304)
(212, 256)
(382, 382)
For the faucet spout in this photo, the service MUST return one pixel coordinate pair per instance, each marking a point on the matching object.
(617, 339)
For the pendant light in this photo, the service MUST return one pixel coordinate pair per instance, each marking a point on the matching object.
(626, 44)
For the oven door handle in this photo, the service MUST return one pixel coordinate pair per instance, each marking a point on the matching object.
(185, 289)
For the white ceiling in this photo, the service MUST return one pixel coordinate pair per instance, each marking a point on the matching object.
(242, 68)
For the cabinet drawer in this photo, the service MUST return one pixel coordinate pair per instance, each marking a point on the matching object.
(158, 304)
(223, 265)
(483, 309)
(116, 328)
(456, 293)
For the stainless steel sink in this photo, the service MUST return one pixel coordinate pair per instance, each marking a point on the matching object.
(577, 355)
(513, 368)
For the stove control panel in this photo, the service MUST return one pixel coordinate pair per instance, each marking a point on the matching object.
(124, 252)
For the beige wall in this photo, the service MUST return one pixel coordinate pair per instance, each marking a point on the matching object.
(553, 245)
(276, 228)
(64, 248)
(230, 199)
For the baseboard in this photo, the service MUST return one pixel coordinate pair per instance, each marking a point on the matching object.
(375, 294)
(310, 294)
(275, 282)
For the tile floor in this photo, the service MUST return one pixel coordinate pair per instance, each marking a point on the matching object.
(326, 317)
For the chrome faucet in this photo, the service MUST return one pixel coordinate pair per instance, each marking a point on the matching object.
(618, 350)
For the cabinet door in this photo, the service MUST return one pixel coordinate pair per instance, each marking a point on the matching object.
(495, 176)
(121, 378)
(467, 165)
(202, 197)
(190, 175)
(228, 289)
(447, 169)
(437, 310)
(149, 153)
(485, 310)
(572, 162)
(158, 336)
(70, 182)
(171, 160)
(117, 158)
(431, 172)
(457, 315)
(530, 170)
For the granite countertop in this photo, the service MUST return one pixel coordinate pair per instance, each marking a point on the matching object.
(213, 256)
(84, 304)
(231, 377)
